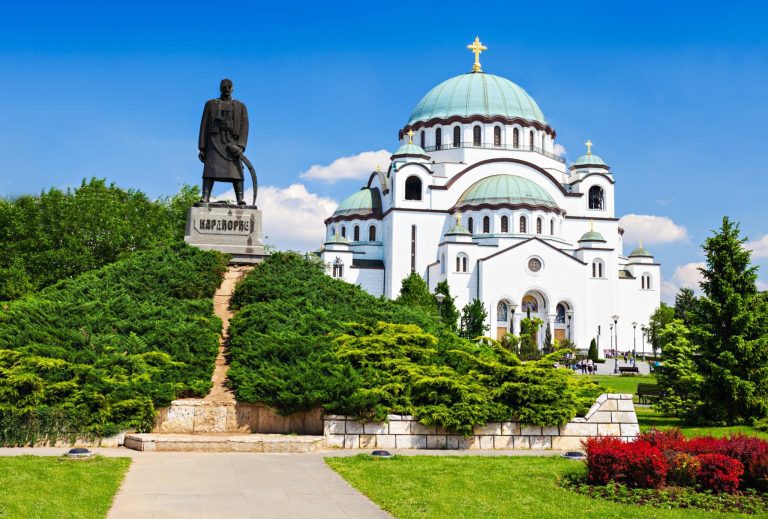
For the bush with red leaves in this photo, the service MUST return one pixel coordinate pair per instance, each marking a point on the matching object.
(637, 463)
(706, 445)
(683, 469)
(669, 440)
(719, 473)
(605, 459)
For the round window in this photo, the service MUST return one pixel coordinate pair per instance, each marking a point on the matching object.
(534, 264)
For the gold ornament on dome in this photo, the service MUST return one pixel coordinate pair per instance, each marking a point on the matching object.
(476, 47)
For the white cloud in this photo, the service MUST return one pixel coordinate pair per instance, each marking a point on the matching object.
(560, 150)
(759, 247)
(357, 166)
(687, 275)
(651, 229)
(762, 286)
(292, 217)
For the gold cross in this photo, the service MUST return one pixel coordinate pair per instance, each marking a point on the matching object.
(410, 136)
(378, 168)
(589, 147)
(476, 47)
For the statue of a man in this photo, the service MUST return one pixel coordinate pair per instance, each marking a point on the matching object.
(223, 137)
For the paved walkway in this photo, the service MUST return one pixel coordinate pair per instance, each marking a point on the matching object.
(607, 367)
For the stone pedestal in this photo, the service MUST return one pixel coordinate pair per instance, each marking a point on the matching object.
(234, 230)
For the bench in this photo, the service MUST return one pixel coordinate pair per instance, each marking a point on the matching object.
(647, 392)
(629, 369)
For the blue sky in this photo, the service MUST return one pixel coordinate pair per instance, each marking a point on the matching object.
(671, 93)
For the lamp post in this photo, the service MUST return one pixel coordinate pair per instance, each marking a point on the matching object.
(569, 313)
(615, 353)
(634, 343)
(440, 298)
(512, 307)
(616, 341)
(644, 330)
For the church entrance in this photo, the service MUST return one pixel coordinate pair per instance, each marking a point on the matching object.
(535, 306)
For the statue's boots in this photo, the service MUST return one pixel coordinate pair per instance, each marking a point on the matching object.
(239, 192)
(207, 188)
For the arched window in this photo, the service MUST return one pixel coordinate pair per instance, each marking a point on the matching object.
(333, 230)
(560, 316)
(596, 197)
(458, 263)
(476, 136)
(538, 225)
(456, 136)
(486, 225)
(438, 138)
(423, 139)
(530, 140)
(471, 225)
(461, 262)
(502, 314)
(372, 233)
(504, 224)
(413, 188)
(597, 269)
(442, 263)
(645, 281)
(552, 227)
(516, 138)
(496, 136)
(338, 268)
(356, 233)
(530, 304)
(343, 232)
(523, 225)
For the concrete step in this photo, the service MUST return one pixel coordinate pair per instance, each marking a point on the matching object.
(268, 443)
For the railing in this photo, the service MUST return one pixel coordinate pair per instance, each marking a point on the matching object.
(489, 146)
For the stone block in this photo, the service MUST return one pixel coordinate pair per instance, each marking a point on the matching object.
(437, 442)
(454, 442)
(354, 427)
(483, 443)
(351, 441)
(610, 405)
(334, 417)
(630, 429)
(540, 442)
(492, 428)
(530, 430)
(552, 430)
(598, 417)
(602, 398)
(335, 427)
(578, 429)
(614, 396)
(367, 441)
(334, 440)
(626, 396)
(394, 418)
(624, 417)
(234, 230)
(411, 441)
(400, 427)
(625, 405)
(609, 429)
(375, 428)
(510, 428)
(503, 442)
(418, 428)
(522, 442)
(385, 441)
(592, 410)
(579, 419)
(568, 443)
(407, 418)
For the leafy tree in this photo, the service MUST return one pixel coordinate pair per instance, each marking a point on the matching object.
(511, 343)
(592, 352)
(732, 331)
(529, 328)
(548, 340)
(679, 377)
(14, 281)
(663, 315)
(473, 317)
(685, 306)
(448, 311)
(415, 293)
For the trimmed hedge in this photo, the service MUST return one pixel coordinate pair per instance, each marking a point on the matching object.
(96, 354)
(302, 340)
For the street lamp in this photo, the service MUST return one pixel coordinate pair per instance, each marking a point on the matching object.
(615, 353)
(512, 307)
(569, 313)
(644, 330)
(616, 341)
(634, 343)
(440, 298)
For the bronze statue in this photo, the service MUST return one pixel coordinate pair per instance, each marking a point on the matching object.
(222, 141)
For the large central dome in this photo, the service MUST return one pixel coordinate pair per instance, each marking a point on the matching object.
(476, 93)
(506, 190)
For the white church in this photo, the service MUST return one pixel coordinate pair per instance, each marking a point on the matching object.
(477, 196)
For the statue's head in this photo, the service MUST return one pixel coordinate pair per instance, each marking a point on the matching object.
(225, 87)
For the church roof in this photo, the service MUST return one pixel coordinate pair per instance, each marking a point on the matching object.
(589, 159)
(458, 229)
(640, 252)
(592, 235)
(506, 189)
(477, 93)
(337, 238)
(365, 202)
(410, 150)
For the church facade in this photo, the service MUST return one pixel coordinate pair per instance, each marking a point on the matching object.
(476, 195)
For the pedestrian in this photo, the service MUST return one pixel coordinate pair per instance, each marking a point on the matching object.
(590, 366)
(583, 365)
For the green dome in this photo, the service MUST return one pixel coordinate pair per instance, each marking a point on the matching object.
(410, 149)
(506, 189)
(476, 93)
(458, 229)
(337, 238)
(640, 252)
(592, 236)
(590, 160)
(363, 203)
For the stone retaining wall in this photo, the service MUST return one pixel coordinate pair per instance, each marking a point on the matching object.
(610, 415)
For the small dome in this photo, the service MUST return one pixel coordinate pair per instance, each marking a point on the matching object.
(592, 236)
(589, 159)
(506, 189)
(476, 93)
(410, 150)
(640, 252)
(458, 229)
(366, 202)
(337, 238)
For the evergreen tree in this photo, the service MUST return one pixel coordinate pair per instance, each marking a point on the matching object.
(592, 352)
(415, 293)
(685, 306)
(731, 331)
(473, 317)
(448, 311)
(679, 376)
(529, 328)
(548, 340)
(663, 315)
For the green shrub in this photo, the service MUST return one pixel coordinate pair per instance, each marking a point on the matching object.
(96, 354)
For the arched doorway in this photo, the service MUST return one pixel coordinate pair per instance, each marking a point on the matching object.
(534, 305)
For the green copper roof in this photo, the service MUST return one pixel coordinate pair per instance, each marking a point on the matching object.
(640, 252)
(410, 149)
(592, 236)
(337, 238)
(364, 202)
(458, 229)
(590, 160)
(476, 93)
(506, 189)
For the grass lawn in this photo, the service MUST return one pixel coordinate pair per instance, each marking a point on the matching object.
(484, 487)
(42, 487)
(619, 384)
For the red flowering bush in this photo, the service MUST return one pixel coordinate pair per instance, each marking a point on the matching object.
(719, 473)
(753, 454)
(706, 445)
(669, 440)
(605, 459)
(637, 463)
(683, 469)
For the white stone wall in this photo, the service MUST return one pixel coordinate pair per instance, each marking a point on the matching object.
(611, 415)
